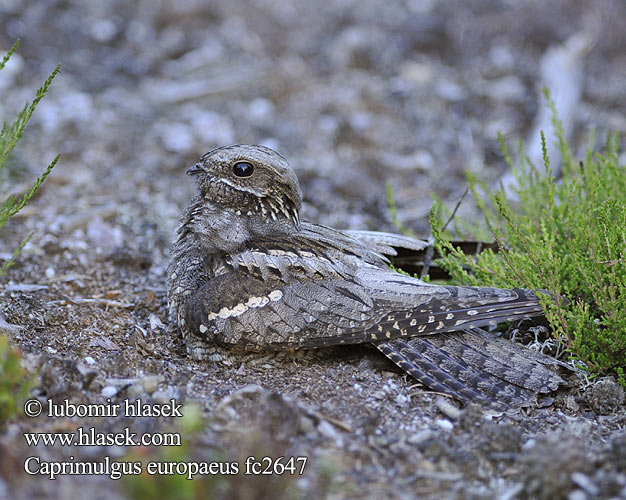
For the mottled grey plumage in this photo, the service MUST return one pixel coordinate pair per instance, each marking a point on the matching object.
(247, 275)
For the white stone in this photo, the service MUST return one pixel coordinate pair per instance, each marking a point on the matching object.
(109, 391)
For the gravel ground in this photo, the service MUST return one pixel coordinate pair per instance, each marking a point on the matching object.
(354, 94)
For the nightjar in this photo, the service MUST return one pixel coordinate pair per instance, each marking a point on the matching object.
(246, 274)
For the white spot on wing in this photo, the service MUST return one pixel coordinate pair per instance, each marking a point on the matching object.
(238, 310)
(254, 301)
(275, 295)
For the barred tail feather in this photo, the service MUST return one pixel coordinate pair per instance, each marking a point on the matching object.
(462, 372)
(511, 362)
(427, 372)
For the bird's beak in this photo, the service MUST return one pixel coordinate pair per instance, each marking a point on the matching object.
(196, 169)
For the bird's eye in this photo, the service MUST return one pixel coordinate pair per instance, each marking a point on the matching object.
(243, 169)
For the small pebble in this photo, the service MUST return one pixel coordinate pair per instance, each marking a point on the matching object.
(401, 399)
(328, 431)
(155, 322)
(448, 409)
(421, 436)
(150, 383)
(109, 391)
(379, 395)
(391, 385)
(585, 483)
(161, 397)
(445, 424)
(134, 391)
(577, 495)
(306, 425)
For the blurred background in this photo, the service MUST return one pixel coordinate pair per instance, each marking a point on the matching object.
(353, 93)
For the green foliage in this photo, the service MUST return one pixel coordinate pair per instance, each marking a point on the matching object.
(9, 137)
(148, 486)
(231, 477)
(566, 237)
(15, 384)
(226, 481)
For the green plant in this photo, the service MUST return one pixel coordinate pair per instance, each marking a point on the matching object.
(173, 484)
(15, 384)
(9, 137)
(566, 237)
(193, 472)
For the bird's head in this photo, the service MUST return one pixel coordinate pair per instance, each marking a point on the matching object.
(251, 180)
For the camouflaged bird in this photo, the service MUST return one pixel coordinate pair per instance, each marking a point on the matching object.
(247, 275)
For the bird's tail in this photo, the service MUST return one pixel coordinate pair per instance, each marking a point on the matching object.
(474, 366)
(438, 316)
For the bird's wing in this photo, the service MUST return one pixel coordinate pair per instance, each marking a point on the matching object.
(244, 311)
(274, 296)
(333, 241)
(387, 243)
